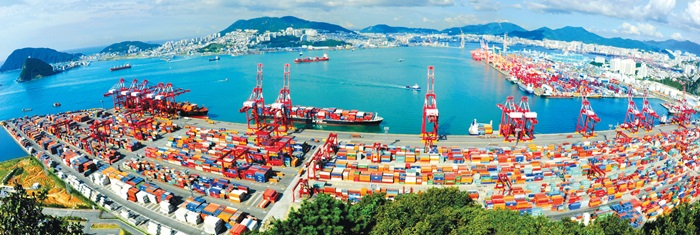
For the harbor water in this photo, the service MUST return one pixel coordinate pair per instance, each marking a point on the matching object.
(371, 80)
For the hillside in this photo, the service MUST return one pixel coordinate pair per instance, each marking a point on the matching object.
(128, 46)
(274, 24)
(34, 68)
(17, 58)
(490, 28)
(677, 45)
(569, 34)
(382, 28)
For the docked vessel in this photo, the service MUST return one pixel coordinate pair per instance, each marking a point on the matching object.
(214, 59)
(415, 87)
(314, 59)
(672, 109)
(125, 66)
(330, 116)
(187, 109)
(513, 79)
(526, 88)
(481, 128)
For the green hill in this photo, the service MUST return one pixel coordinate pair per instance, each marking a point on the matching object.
(274, 24)
(382, 28)
(34, 68)
(123, 47)
(490, 28)
(18, 57)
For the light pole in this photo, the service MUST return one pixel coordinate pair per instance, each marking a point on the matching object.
(103, 104)
(386, 133)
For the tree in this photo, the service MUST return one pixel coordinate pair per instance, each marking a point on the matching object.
(684, 219)
(363, 213)
(324, 215)
(21, 213)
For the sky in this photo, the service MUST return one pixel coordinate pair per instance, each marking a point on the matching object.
(71, 24)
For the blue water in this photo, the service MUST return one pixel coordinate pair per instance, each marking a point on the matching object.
(367, 80)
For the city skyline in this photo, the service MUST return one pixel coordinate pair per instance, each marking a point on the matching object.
(71, 24)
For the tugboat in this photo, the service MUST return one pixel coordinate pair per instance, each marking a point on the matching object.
(56, 104)
(415, 87)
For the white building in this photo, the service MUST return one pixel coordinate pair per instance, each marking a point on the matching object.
(643, 71)
(615, 64)
(627, 67)
(600, 59)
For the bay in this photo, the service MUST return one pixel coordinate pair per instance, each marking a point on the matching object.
(365, 79)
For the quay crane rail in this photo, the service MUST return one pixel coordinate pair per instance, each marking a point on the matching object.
(429, 129)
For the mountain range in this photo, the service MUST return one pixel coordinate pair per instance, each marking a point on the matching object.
(17, 58)
(274, 24)
(562, 34)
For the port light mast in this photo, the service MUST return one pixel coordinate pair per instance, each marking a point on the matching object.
(253, 107)
(587, 118)
(429, 131)
(282, 108)
(633, 119)
(649, 114)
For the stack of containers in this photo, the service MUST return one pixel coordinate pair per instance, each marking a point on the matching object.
(213, 225)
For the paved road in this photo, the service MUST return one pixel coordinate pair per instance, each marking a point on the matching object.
(93, 217)
(153, 215)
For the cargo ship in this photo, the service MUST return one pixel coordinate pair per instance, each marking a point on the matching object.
(315, 59)
(331, 116)
(125, 66)
(214, 59)
(187, 109)
(526, 88)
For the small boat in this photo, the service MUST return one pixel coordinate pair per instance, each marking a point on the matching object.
(415, 87)
(56, 104)
(664, 119)
(301, 53)
(26, 109)
(400, 60)
(513, 79)
(214, 59)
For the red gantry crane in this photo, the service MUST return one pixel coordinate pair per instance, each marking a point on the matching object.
(429, 131)
(517, 121)
(587, 118)
(527, 128)
(685, 112)
(165, 99)
(253, 107)
(509, 118)
(649, 114)
(118, 92)
(100, 130)
(281, 110)
(634, 119)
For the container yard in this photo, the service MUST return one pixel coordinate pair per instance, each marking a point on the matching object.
(188, 176)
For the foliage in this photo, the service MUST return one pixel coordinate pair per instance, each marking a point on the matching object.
(34, 68)
(21, 213)
(275, 24)
(684, 219)
(596, 64)
(123, 47)
(104, 226)
(282, 41)
(324, 215)
(692, 87)
(212, 47)
(327, 43)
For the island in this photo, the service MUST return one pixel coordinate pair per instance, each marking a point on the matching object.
(47, 55)
(34, 68)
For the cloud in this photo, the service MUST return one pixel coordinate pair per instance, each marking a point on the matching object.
(258, 5)
(484, 5)
(642, 29)
(692, 13)
(677, 36)
(653, 10)
(461, 20)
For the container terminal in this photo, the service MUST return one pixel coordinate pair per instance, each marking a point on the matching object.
(169, 174)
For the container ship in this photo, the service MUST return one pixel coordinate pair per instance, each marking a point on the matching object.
(125, 66)
(331, 116)
(315, 59)
(187, 109)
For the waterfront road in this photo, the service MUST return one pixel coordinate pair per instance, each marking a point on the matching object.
(93, 217)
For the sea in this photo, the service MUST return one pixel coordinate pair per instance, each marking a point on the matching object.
(372, 80)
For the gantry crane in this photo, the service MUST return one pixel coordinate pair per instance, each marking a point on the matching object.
(527, 128)
(253, 107)
(510, 119)
(429, 130)
(99, 130)
(504, 184)
(633, 119)
(587, 118)
(65, 123)
(281, 110)
(649, 114)
(684, 112)
(132, 95)
(164, 99)
(118, 92)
